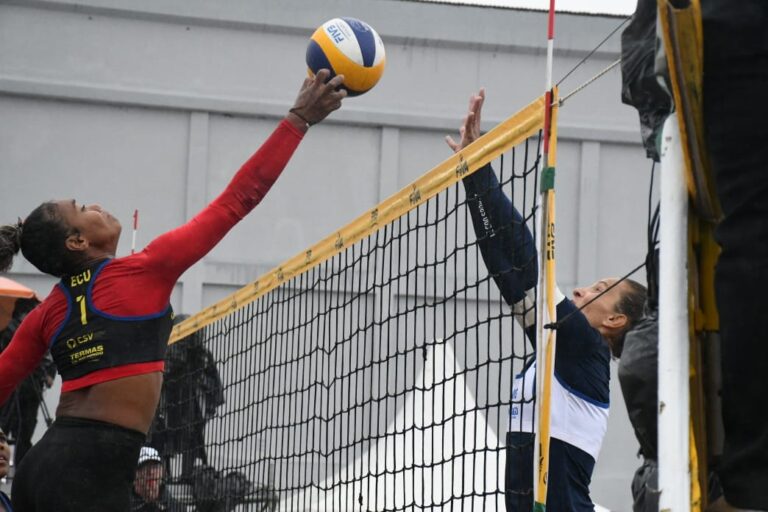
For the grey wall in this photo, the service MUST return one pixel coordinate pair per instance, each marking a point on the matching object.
(154, 104)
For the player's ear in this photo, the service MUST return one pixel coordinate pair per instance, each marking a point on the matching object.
(615, 321)
(76, 243)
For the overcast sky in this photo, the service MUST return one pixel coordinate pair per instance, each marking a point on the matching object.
(624, 7)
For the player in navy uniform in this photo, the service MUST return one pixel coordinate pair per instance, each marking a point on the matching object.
(585, 340)
(107, 323)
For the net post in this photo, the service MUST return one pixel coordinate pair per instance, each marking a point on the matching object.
(673, 412)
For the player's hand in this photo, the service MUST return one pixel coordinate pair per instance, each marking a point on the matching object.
(470, 129)
(318, 97)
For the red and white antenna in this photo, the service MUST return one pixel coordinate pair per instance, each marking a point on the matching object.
(548, 83)
(135, 229)
(545, 307)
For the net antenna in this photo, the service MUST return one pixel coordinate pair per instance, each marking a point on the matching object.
(135, 230)
(545, 297)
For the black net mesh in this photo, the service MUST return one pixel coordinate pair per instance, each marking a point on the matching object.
(378, 380)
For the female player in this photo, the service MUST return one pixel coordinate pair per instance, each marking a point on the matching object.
(107, 322)
(591, 326)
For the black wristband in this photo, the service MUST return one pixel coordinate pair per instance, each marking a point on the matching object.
(295, 111)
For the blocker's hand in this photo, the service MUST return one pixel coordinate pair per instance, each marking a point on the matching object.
(470, 129)
(318, 97)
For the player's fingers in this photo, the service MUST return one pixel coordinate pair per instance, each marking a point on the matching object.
(322, 75)
(336, 81)
(469, 121)
(471, 102)
(480, 101)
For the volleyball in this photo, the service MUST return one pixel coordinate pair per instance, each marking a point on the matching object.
(349, 47)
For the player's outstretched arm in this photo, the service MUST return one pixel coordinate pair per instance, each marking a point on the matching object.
(178, 249)
(506, 244)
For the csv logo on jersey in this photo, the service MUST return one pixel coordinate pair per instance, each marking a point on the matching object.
(79, 340)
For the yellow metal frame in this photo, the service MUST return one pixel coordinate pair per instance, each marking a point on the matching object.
(683, 38)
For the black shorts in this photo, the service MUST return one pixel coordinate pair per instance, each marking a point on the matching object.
(79, 465)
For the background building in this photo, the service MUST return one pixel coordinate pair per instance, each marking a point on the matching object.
(152, 105)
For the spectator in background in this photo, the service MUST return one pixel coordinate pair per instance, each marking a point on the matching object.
(5, 464)
(192, 391)
(215, 491)
(149, 491)
(18, 417)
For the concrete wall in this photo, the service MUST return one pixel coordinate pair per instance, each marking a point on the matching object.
(152, 105)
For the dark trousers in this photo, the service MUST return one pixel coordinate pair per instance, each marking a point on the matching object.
(736, 113)
(78, 466)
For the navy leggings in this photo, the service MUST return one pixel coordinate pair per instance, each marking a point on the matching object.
(79, 465)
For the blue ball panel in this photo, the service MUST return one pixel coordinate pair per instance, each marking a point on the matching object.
(316, 59)
(365, 39)
(351, 92)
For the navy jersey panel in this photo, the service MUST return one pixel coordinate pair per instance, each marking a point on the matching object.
(582, 357)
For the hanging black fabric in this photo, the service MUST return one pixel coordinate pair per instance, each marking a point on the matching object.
(641, 68)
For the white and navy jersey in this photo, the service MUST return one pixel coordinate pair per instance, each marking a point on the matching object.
(579, 400)
(580, 396)
(575, 418)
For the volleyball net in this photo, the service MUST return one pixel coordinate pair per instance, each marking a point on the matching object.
(372, 371)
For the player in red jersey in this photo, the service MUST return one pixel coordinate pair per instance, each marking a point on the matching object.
(108, 320)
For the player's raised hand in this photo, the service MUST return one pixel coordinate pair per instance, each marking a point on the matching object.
(470, 128)
(318, 97)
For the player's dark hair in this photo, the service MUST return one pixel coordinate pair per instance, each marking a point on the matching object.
(10, 243)
(41, 239)
(631, 304)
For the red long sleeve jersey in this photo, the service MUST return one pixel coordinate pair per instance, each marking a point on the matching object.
(141, 284)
